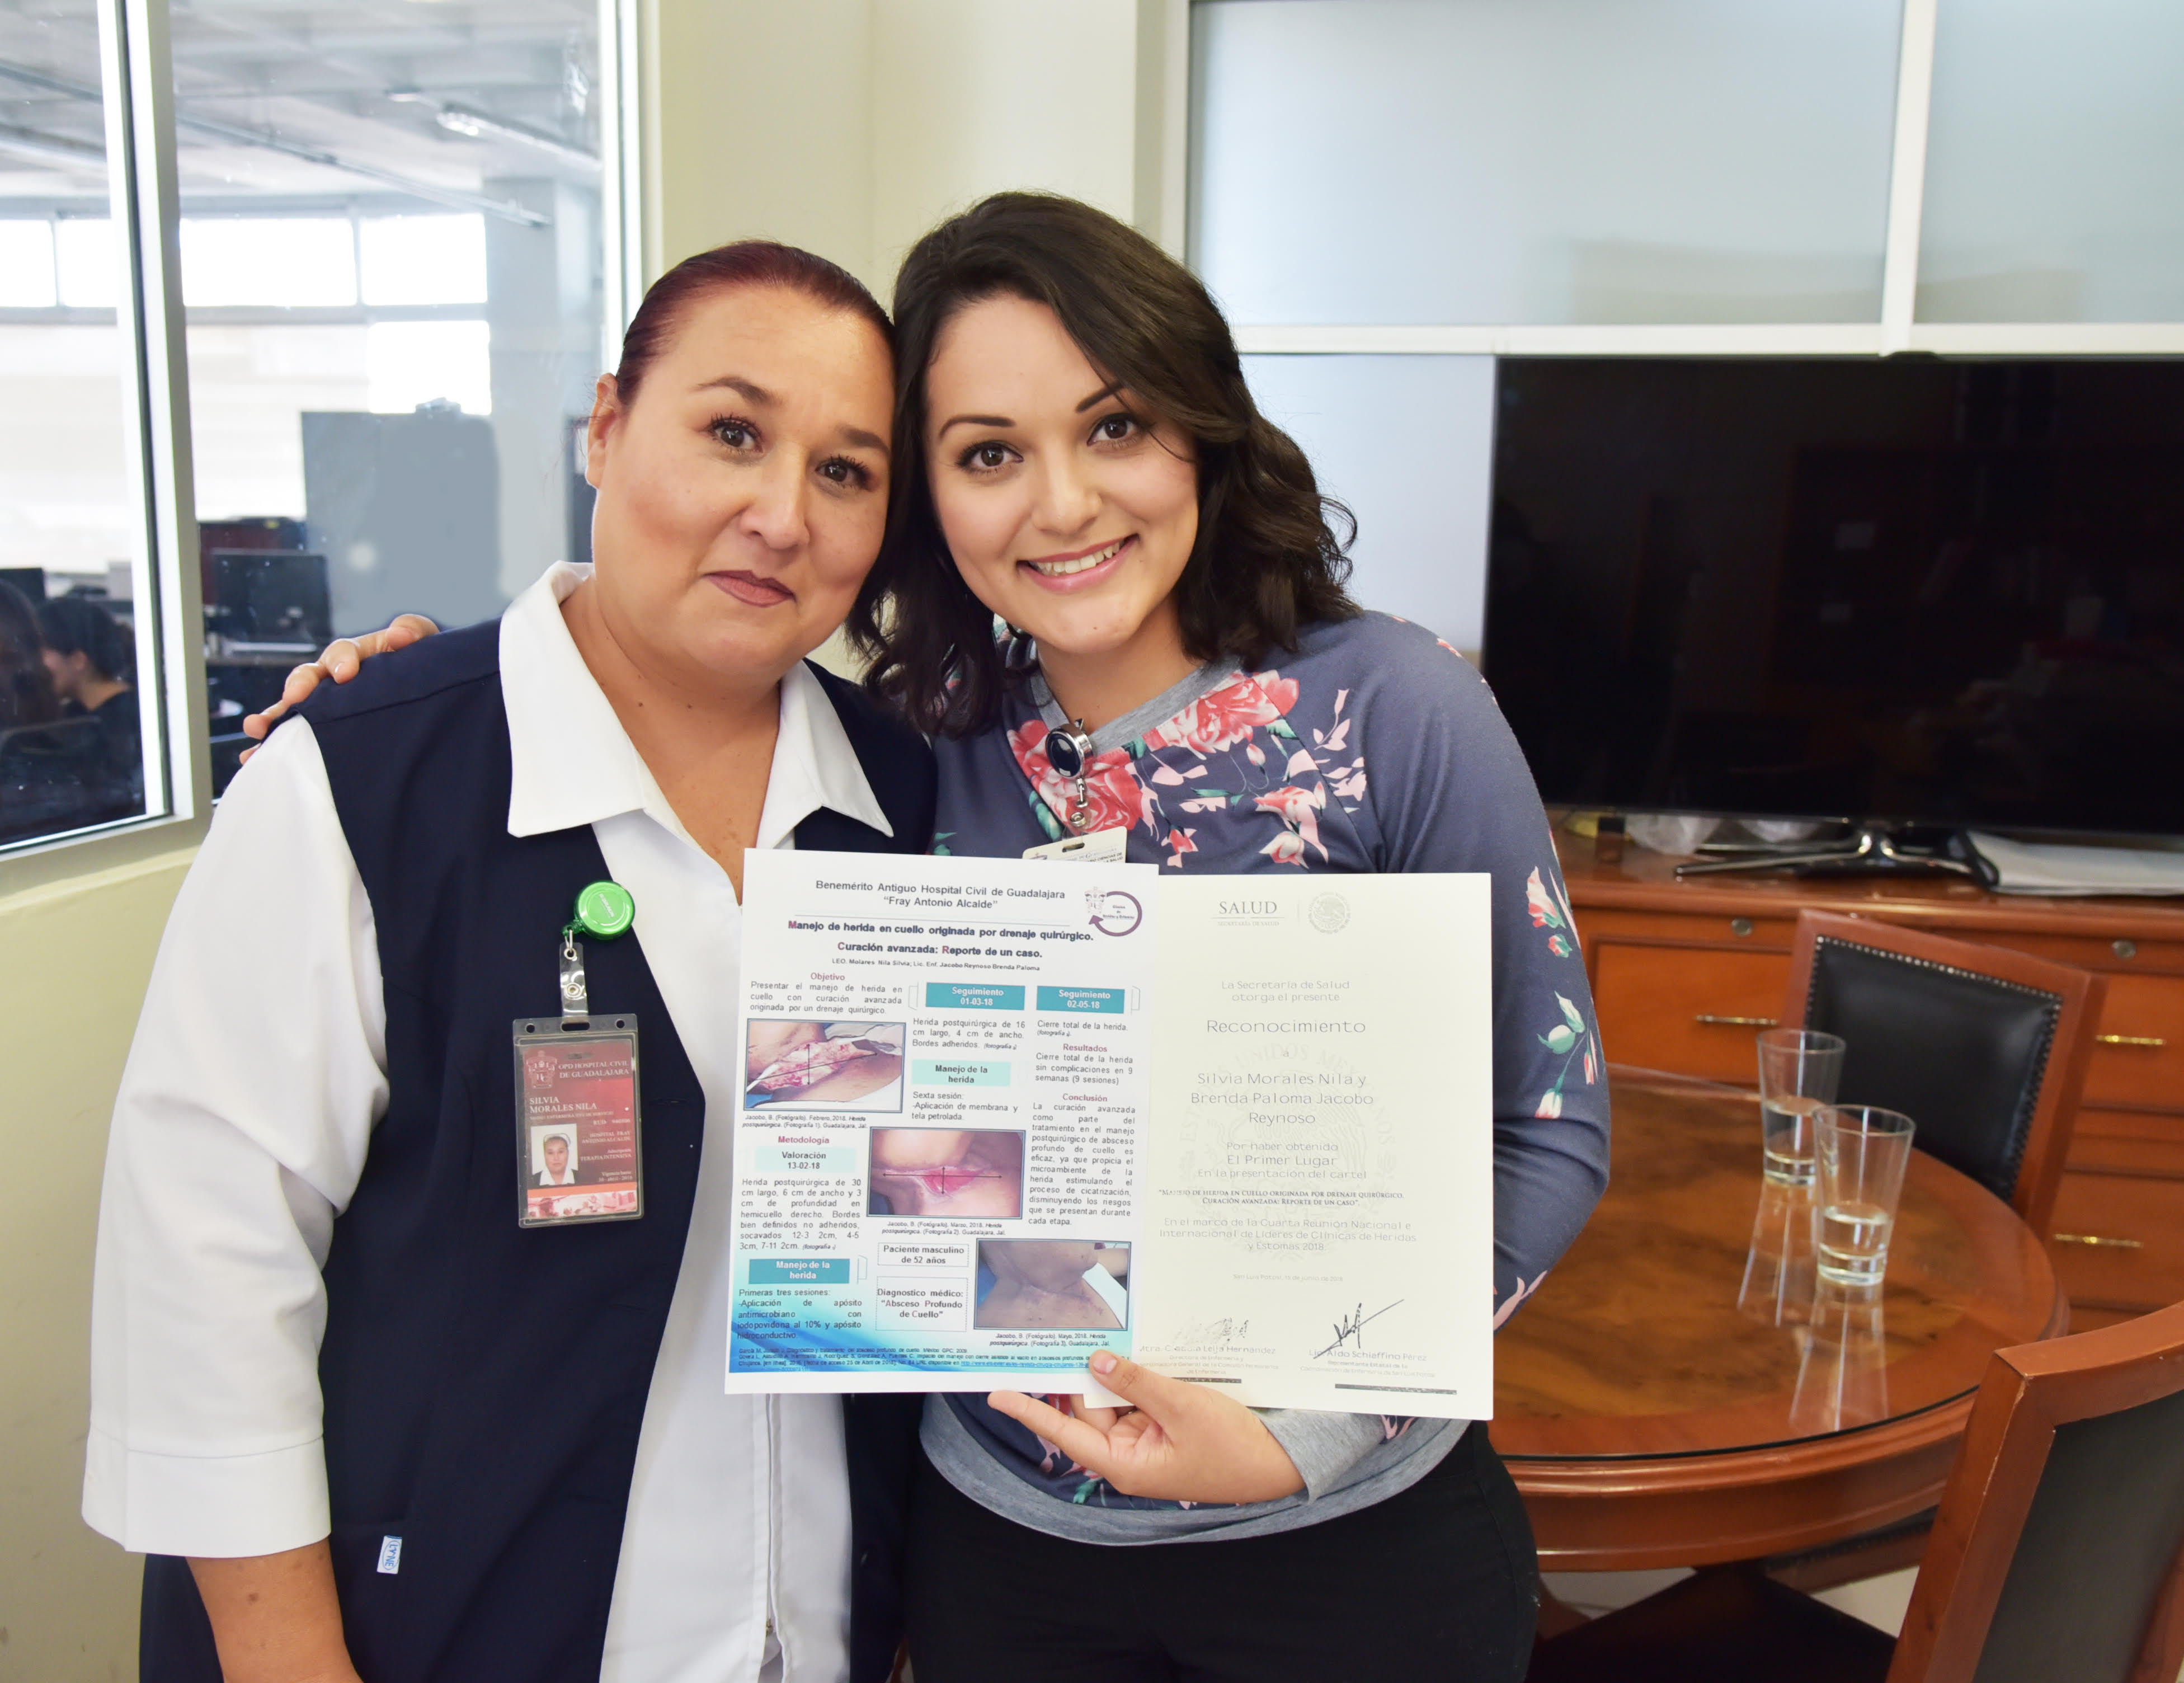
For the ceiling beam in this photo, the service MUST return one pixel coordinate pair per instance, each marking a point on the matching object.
(77, 156)
(454, 198)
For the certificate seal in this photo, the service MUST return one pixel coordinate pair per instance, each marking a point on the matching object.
(1328, 912)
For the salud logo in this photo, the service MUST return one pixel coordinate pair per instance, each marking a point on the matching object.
(1328, 912)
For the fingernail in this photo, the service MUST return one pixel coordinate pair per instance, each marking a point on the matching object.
(1102, 1363)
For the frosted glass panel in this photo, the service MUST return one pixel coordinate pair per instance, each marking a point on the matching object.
(1543, 161)
(2055, 163)
(1408, 443)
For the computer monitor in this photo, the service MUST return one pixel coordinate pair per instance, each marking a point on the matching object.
(31, 581)
(270, 601)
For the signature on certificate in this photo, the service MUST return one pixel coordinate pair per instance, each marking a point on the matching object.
(1352, 1326)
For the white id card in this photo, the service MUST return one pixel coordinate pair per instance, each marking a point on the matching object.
(1102, 847)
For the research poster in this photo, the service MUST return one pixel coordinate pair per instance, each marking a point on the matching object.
(940, 1145)
(999, 1114)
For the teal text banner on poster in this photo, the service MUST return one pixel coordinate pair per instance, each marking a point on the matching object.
(955, 1073)
(1105, 1001)
(972, 997)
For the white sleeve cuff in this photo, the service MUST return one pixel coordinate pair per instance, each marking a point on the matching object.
(218, 1507)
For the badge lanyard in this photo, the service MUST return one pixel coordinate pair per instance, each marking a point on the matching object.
(1069, 751)
(604, 911)
(577, 1117)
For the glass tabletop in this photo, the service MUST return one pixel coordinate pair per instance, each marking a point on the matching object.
(1666, 1330)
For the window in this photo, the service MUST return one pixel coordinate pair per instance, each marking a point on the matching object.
(394, 256)
(1385, 195)
(81, 744)
(1542, 161)
(393, 229)
(2055, 164)
(27, 280)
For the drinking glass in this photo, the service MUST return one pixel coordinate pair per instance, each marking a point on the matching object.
(1798, 1070)
(1842, 1369)
(1864, 1151)
(1779, 1272)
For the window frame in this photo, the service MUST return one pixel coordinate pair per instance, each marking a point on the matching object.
(137, 85)
(136, 73)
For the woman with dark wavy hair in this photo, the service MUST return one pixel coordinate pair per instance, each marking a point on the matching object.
(1263, 563)
(1079, 458)
(1111, 591)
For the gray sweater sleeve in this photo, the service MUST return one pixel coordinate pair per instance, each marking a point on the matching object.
(1324, 1446)
(1449, 790)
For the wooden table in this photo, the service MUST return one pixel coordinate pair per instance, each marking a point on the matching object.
(1650, 1421)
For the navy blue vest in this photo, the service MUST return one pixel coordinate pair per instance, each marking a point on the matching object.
(485, 1384)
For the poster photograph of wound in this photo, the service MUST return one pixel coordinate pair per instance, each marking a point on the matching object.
(578, 1155)
(797, 1064)
(947, 1173)
(1073, 1284)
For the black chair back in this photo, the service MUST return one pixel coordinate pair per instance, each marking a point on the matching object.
(2097, 1547)
(1961, 1054)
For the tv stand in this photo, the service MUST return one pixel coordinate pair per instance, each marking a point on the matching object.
(1684, 973)
(1870, 849)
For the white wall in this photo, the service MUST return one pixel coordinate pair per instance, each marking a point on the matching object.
(1406, 442)
(851, 126)
(760, 124)
(78, 956)
(971, 96)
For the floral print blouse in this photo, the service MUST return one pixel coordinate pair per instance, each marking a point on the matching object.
(1374, 747)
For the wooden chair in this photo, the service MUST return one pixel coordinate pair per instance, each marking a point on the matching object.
(2057, 1556)
(1984, 1048)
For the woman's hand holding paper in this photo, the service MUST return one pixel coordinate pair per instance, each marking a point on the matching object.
(1181, 1442)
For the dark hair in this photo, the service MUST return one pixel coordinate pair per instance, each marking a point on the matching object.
(71, 625)
(26, 687)
(1266, 562)
(745, 263)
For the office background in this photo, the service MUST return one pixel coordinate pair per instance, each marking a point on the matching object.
(1383, 193)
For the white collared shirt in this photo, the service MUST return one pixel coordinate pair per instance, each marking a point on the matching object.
(246, 1111)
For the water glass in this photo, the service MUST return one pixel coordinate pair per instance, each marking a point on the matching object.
(1864, 1151)
(1798, 1070)
(1842, 1368)
(1778, 1269)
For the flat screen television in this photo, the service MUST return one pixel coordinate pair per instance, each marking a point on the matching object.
(1914, 591)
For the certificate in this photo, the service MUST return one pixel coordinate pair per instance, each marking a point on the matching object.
(1319, 1220)
(1000, 1114)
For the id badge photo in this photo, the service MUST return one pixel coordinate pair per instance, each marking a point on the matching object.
(578, 1155)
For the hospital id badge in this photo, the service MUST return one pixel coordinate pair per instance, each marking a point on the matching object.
(1102, 847)
(578, 1155)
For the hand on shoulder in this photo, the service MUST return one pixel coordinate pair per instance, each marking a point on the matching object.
(341, 660)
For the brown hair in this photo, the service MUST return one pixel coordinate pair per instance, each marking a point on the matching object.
(1266, 562)
(744, 263)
